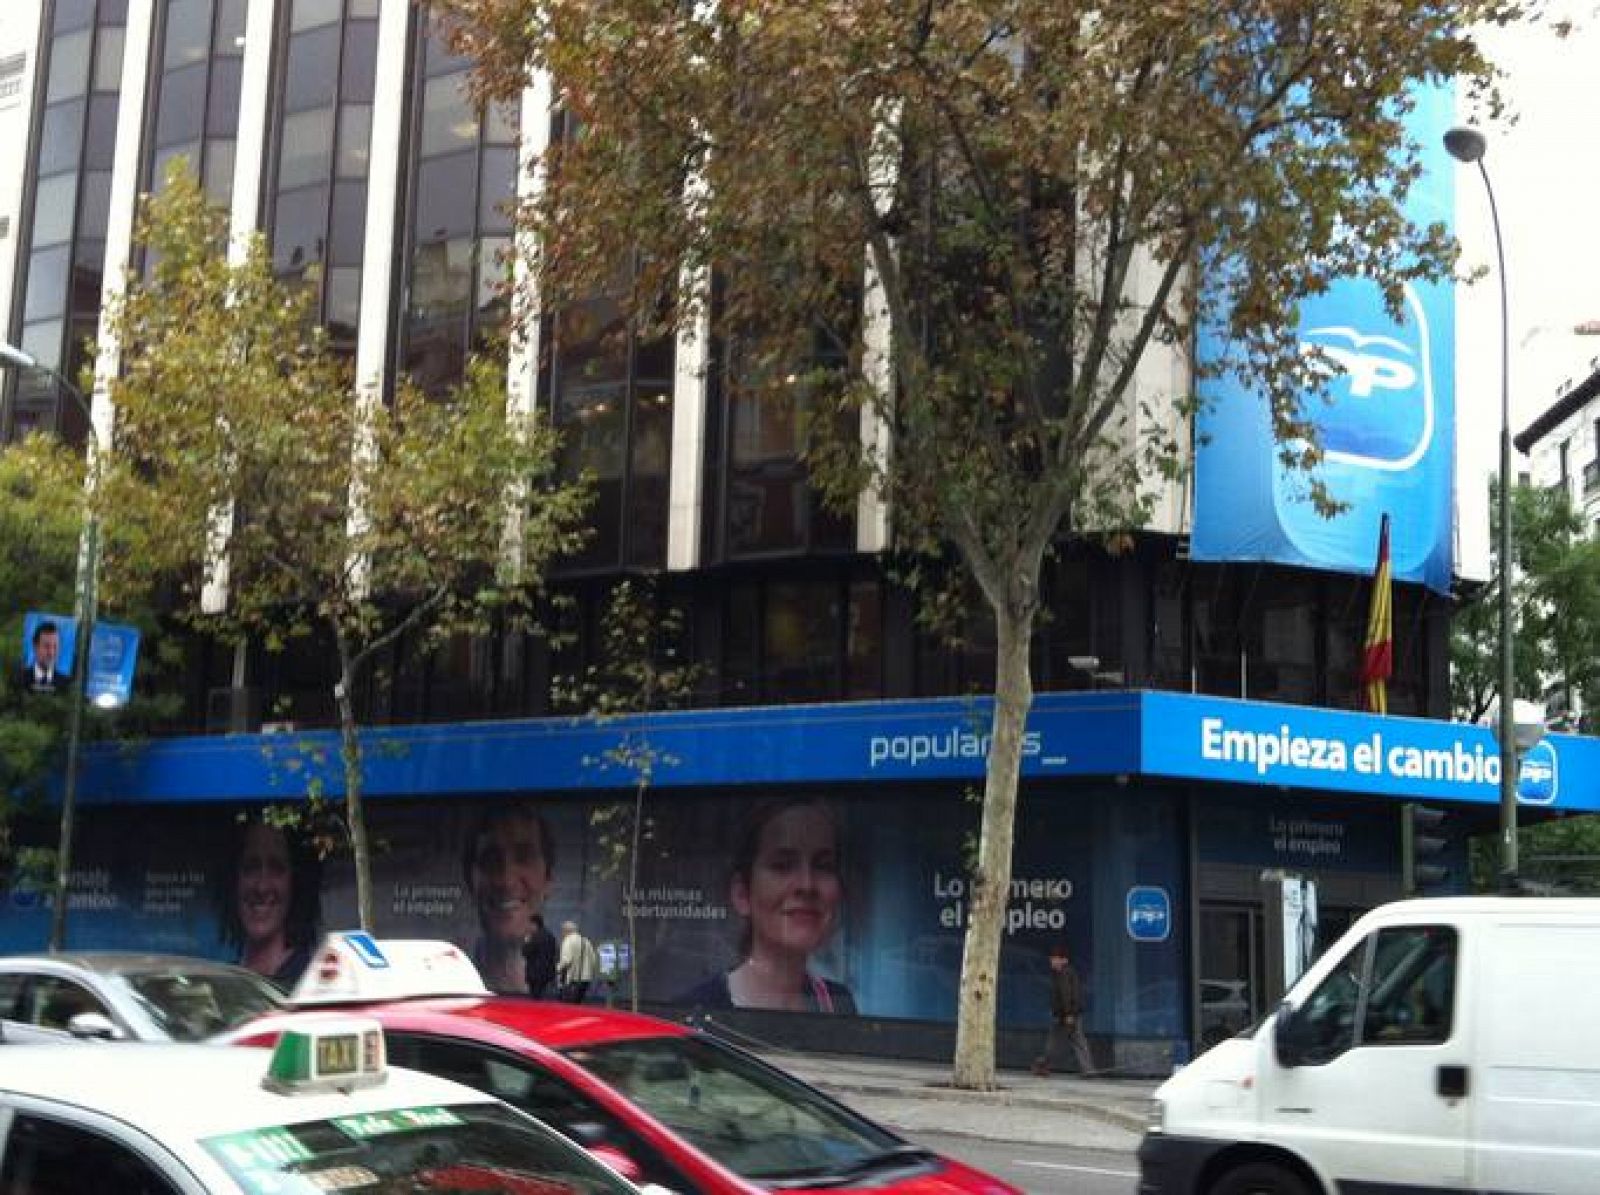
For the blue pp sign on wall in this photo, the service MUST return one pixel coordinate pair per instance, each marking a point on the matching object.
(1149, 914)
(1539, 778)
(1387, 426)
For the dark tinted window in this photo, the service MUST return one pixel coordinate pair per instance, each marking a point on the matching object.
(69, 66)
(47, 1157)
(47, 283)
(102, 142)
(526, 1085)
(313, 69)
(188, 32)
(183, 105)
(360, 61)
(61, 136)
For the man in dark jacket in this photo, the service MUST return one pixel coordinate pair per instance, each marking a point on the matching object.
(539, 959)
(1066, 1016)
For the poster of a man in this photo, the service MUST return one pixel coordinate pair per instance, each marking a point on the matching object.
(508, 860)
(44, 668)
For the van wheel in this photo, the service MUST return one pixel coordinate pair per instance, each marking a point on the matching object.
(1260, 1178)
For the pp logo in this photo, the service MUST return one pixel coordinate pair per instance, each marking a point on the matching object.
(1379, 412)
(1149, 914)
(1539, 776)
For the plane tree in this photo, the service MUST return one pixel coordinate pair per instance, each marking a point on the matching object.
(970, 240)
(247, 453)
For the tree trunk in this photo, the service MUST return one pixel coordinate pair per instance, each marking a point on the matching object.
(991, 881)
(355, 810)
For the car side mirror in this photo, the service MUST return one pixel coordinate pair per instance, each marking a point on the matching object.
(93, 1026)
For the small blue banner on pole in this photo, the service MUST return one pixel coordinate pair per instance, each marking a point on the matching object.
(113, 655)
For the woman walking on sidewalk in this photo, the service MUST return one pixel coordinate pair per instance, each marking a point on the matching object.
(1066, 1016)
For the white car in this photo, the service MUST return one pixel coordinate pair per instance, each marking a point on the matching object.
(122, 996)
(320, 1112)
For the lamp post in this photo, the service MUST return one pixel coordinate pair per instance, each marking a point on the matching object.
(85, 612)
(1468, 145)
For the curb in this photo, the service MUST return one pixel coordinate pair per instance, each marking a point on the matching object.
(1116, 1117)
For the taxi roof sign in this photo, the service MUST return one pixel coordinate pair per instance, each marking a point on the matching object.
(350, 968)
(332, 1054)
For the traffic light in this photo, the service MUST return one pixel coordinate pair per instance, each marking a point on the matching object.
(1424, 850)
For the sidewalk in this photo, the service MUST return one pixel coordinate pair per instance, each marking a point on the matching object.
(1084, 1113)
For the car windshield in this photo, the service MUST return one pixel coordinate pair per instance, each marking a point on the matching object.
(191, 1005)
(485, 1149)
(753, 1119)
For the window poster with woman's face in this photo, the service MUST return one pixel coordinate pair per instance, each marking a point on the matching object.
(832, 902)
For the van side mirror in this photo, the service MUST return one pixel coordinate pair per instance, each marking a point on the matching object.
(1291, 1036)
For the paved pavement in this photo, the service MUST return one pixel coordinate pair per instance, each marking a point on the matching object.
(1065, 1110)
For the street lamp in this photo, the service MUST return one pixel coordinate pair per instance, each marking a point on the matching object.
(1468, 145)
(88, 574)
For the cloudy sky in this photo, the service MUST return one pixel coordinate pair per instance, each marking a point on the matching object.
(1546, 176)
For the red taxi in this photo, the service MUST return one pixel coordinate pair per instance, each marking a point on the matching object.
(671, 1107)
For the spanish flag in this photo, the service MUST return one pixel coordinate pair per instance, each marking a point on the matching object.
(1377, 657)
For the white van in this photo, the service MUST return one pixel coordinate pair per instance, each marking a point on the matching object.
(1439, 1046)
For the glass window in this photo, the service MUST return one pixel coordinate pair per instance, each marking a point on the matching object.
(228, 40)
(787, 1133)
(299, 226)
(96, 205)
(108, 60)
(183, 105)
(864, 641)
(649, 468)
(1393, 988)
(312, 71)
(52, 1002)
(47, 283)
(362, 8)
(102, 143)
(61, 137)
(311, 14)
(307, 148)
(355, 137)
(527, 1086)
(219, 170)
(349, 224)
(86, 279)
(113, 12)
(358, 79)
(1411, 999)
(802, 639)
(222, 110)
(500, 124)
(53, 204)
(73, 14)
(448, 122)
(45, 1155)
(44, 340)
(497, 190)
(344, 303)
(69, 67)
(492, 266)
(188, 32)
(439, 60)
(441, 183)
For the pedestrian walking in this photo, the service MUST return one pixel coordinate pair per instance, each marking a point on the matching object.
(1066, 1017)
(539, 953)
(579, 965)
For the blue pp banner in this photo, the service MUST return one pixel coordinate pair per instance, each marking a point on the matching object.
(49, 647)
(1387, 426)
(113, 655)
